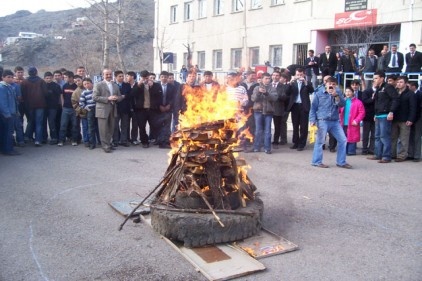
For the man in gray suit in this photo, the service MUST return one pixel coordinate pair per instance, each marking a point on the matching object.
(106, 95)
(369, 65)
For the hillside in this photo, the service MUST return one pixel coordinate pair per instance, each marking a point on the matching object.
(71, 38)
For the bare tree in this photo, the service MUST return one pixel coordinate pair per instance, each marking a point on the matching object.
(162, 43)
(364, 36)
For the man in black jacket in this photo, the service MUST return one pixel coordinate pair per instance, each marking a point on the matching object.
(414, 151)
(386, 101)
(147, 96)
(166, 111)
(121, 127)
(368, 132)
(394, 60)
(299, 106)
(413, 59)
(404, 117)
(53, 100)
(328, 62)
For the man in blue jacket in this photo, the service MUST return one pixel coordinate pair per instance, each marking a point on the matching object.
(8, 110)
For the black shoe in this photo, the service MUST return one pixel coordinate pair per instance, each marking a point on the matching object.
(113, 144)
(107, 150)
(283, 142)
(125, 144)
(300, 148)
(294, 146)
(145, 145)
(91, 147)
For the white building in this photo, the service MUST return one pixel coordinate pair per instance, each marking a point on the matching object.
(225, 35)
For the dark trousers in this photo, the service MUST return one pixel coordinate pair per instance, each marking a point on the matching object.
(6, 133)
(368, 136)
(283, 131)
(93, 132)
(143, 116)
(51, 114)
(164, 127)
(277, 128)
(121, 128)
(300, 120)
(134, 132)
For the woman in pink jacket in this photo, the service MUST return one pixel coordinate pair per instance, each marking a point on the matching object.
(350, 117)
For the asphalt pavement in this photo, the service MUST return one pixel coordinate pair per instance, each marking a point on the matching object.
(56, 224)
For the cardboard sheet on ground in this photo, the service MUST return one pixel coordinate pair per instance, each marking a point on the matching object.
(265, 244)
(125, 207)
(224, 261)
(219, 262)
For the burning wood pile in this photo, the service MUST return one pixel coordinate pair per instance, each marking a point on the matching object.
(205, 167)
(206, 196)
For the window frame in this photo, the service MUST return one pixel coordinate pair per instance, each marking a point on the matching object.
(253, 57)
(200, 58)
(236, 58)
(272, 55)
(202, 9)
(218, 7)
(187, 11)
(173, 14)
(217, 59)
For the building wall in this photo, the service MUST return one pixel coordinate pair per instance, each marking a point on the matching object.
(294, 22)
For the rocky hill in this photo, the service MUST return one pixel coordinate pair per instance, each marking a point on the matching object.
(73, 37)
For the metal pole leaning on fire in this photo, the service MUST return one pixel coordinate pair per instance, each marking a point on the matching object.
(165, 177)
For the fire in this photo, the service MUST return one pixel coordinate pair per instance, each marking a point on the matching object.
(203, 107)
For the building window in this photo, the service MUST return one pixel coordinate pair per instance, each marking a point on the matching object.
(238, 5)
(188, 11)
(256, 4)
(254, 56)
(185, 59)
(173, 14)
(277, 2)
(173, 66)
(217, 58)
(218, 7)
(275, 55)
(201, 60)
(236, 58)
(202, 9)
(300, 53)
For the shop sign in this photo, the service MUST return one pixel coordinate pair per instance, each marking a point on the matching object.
(356, 19)
(355, 5)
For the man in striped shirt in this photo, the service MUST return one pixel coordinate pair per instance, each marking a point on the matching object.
(86, 102)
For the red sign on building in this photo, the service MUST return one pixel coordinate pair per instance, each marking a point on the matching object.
(356, 19)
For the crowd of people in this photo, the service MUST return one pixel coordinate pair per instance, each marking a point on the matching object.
(123, 110)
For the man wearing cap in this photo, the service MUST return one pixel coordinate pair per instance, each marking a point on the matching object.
(106, 94)
(34, 90)
(147, 97)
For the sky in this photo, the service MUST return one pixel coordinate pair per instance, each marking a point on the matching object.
(8, 7)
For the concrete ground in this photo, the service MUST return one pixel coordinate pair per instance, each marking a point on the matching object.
(56, 224)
